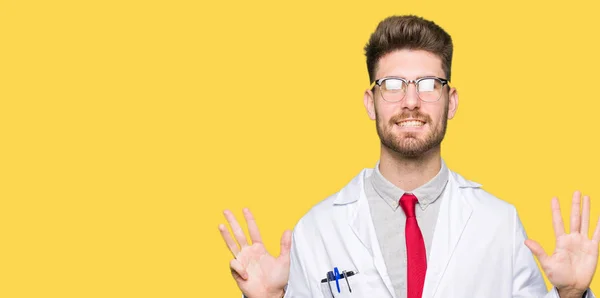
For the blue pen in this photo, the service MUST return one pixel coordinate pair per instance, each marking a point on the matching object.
(337, 278)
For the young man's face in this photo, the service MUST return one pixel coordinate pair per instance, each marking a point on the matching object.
(411, 126)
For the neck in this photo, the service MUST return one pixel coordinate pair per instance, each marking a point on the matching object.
(408, 173)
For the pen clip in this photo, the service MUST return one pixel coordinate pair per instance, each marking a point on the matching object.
(345, 276)
(337, 277)
(330, 278)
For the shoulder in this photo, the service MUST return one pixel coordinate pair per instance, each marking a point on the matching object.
(327, 210)
(481, 200)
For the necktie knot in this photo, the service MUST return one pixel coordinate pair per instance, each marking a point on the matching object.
(408, 202)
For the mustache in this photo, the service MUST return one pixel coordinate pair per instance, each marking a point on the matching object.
(410, 115)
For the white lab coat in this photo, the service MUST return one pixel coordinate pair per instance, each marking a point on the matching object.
(477, 249)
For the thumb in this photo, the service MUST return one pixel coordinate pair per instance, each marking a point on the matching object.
(237, 270)
(537, 250)
(286, 245)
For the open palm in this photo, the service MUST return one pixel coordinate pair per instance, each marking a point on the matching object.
(573, 264)
(256, 272)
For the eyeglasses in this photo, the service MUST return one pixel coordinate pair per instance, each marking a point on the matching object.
(429, 89)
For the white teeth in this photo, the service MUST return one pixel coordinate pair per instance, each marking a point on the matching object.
(411, 123)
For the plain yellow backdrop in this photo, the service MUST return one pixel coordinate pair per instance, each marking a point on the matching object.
(126, 127)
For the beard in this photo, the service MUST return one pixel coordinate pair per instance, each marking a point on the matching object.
(408, 144)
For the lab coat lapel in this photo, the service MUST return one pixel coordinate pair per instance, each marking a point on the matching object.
(453, 217)
(359, 218)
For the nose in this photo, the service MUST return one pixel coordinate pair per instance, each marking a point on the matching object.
(411, 99)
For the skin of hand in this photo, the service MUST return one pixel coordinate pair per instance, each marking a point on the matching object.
(257, 273)
(572, 265)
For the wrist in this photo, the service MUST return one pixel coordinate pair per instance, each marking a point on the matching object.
(274, 294)
(278, 294)
(570, 293)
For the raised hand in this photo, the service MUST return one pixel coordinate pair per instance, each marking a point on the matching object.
(257, 273)
(573, 264)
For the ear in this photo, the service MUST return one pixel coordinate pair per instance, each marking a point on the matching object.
(369, 101)
(452, 103)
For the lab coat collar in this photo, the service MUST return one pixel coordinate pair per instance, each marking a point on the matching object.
(355, 189)
(451, 221)
(453, 218)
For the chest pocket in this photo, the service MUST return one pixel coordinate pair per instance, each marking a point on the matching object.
(347, 286)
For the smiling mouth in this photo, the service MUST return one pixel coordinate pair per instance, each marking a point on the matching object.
(410, 123)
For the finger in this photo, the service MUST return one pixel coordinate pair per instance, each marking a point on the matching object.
(231, 244)
(252, 226)
(236, 267)
(238, 233)
(236, 276)
(596, 237)
(585, 216)
(537, 251)
(286, 244)
(575, 217)
(557, 221)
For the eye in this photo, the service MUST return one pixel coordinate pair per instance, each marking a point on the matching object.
(427, 85)
(393, 84)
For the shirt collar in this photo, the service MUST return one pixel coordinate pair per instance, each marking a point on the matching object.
(426, 193)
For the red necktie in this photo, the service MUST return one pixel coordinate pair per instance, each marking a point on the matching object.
(415, 248)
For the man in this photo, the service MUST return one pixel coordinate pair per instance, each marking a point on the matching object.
(411, 227)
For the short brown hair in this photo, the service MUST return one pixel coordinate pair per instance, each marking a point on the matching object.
(408, 32)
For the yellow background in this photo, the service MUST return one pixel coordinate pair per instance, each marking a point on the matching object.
(126, 127)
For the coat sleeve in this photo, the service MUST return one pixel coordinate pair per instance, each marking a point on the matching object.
(299, 285)
(527, 277)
